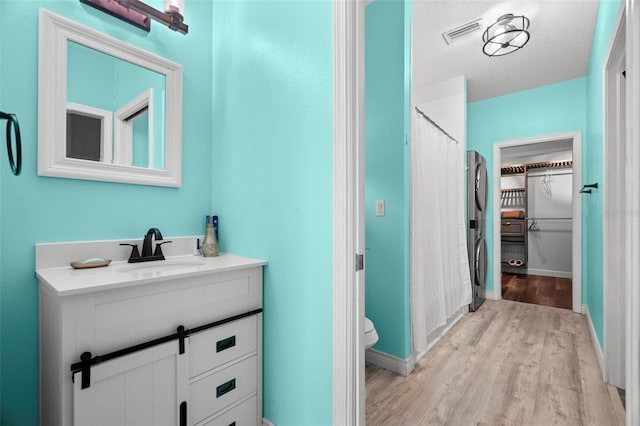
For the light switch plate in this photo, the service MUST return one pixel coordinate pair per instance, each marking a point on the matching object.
(379, 207)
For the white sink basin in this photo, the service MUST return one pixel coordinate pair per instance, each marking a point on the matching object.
(160, 265)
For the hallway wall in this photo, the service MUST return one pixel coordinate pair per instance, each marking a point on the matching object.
(386, 152)
(592, 243)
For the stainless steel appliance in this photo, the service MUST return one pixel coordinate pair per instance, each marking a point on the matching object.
(476, 214)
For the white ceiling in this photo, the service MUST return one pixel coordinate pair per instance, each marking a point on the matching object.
(559, 47)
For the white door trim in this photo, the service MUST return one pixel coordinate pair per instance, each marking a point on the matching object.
(348, 217)
(576, 229)
(632, 209)
(613, 187)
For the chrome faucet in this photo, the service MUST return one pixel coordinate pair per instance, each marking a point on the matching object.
(148, 253)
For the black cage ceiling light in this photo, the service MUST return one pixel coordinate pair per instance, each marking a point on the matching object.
(137, 13)
(507, 35)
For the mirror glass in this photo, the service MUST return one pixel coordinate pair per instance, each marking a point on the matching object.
(107, 110)
(115, 87)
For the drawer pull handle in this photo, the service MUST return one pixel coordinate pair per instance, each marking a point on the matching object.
(224, 344)
(225, 388)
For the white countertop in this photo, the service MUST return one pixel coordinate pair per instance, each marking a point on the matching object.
(66, 281)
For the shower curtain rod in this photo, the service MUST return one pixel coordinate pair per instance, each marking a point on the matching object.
(435, 124)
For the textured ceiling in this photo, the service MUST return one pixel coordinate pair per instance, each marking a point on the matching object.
(561, 33)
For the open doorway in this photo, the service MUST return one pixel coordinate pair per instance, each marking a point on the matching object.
(537, 220)
(536, 223)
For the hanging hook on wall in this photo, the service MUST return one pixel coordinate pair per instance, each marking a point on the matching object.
(584, 189)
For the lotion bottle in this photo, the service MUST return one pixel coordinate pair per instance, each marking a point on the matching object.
(210, 243)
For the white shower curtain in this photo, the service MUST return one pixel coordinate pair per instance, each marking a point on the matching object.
(440, 281)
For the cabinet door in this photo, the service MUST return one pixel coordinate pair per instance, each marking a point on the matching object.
(143, 388)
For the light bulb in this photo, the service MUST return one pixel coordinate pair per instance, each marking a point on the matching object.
(174, 6)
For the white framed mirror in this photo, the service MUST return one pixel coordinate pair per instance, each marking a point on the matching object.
(107, 110)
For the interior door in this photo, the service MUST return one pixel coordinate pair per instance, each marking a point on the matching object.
(143, 388)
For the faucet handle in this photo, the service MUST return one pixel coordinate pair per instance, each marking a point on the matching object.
(135, 254)
(158, 250)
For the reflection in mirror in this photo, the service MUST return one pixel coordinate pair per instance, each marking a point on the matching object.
(88, 133)
(107, 110)
(141, 147)
(99, 81)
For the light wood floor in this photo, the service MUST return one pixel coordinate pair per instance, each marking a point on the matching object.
(509, 363)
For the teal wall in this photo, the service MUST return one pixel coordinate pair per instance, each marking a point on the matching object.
(555, 108)
(258, 152)
(40, 209)
(273, 183)
(592, 243)
(386, 237)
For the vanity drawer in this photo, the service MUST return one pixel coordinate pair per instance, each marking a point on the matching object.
(513, 228)
(244, 414)
(212, 393)
(214, 347)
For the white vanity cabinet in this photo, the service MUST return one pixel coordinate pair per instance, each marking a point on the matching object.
(212, 376)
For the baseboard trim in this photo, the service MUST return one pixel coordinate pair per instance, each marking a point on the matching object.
(547, 273)
(594, 341)
(266, 422)
(490, 296)
(405, 366)
(390, 362)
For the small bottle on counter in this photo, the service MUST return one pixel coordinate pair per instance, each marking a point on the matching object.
(210, 243)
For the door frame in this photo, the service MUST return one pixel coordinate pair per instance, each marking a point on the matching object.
(631, 209)
(613, 188)
(348, 213)
(576, 226)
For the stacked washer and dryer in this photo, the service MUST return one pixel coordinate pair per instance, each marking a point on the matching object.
(476, 213)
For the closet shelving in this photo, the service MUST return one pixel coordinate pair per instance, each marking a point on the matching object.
(514, 230)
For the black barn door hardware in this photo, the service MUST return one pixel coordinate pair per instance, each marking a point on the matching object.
(586, 189)
(181, 336)
(183, 413)
(87, 361)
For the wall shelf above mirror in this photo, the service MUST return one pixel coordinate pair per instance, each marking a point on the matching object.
(107, 110)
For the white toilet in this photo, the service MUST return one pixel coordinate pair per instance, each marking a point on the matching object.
(370, 334)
